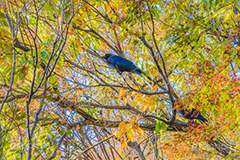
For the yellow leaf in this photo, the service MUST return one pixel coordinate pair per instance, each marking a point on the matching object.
(132, 121)
(147, 103)
(122, 127)
(136, 98)
(238, 48)
(130, 135)
(125, 99)
(139, 102)
(152, 108)
(117, 134)
(54, 116)
(103, 46)
(76, 1)
(128, 127)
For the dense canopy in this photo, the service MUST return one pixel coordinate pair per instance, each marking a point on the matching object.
(60, 100)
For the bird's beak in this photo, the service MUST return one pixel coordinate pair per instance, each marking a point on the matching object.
(104, 57)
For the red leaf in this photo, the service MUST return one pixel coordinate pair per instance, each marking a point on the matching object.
(234, 74)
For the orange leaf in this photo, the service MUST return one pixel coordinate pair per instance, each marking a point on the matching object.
(145, 107)
(123, 141)
(70, 30)
(154, 88)
(132, 121)
(79, 45)
(122, 127)
(122, 93)
(60, 19)
(140, 131)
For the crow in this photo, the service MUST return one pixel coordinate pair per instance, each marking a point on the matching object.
(190, 113)
(121, 64)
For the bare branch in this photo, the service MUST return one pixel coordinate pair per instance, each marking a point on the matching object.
(94, 146)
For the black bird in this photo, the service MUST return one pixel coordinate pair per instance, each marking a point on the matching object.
(190, 113)
(121, 64)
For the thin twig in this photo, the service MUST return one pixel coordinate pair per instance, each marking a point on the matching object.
(93, 146)
(58, 146)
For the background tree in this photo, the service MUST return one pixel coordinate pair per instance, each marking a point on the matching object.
(60, 99)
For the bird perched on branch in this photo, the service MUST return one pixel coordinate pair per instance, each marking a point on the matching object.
(121, 64)
(190, 113)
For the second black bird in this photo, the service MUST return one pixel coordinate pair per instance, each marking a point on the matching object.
(190, 113)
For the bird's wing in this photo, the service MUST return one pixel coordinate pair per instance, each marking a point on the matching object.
(121, 63)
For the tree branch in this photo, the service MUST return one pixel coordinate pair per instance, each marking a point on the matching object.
(58, 146)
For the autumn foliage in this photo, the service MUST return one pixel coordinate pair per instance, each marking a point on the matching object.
(60, 100)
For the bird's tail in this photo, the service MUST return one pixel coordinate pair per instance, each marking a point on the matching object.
(138, 71)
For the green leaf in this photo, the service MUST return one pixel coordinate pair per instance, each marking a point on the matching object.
(44, 54)
(62, 131)
(23, 62)
(160, 126)
(38, 77)
(30, 62)
(200, 54)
